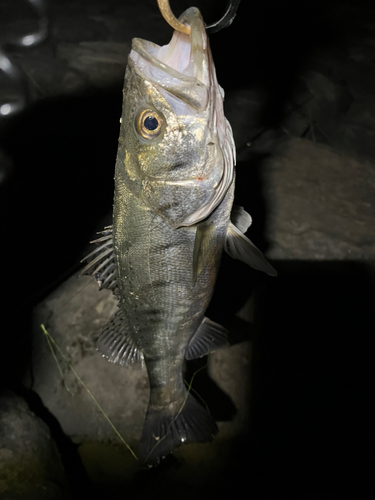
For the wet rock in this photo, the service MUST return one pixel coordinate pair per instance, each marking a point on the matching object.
(321, 204)
(30, 465)
(356, 131)
(318, 106)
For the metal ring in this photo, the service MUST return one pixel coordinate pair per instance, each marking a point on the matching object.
(227, 18)
(224, 22)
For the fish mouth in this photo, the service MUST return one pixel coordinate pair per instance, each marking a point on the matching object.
(183, 66)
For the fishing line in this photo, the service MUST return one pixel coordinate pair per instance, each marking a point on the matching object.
(198, 395)
(57, 362)
(72, 297)
(51, 341)
(187, 394)
(180, 410)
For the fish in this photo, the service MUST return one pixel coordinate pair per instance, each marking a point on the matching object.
(173, 216)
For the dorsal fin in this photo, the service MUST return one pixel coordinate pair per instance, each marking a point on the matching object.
(101, 262)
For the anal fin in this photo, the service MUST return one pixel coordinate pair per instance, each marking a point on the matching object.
(209, 337)
(115, 342)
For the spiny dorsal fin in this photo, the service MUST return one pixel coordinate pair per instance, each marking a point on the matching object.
(204, 243)
(241, 248)
(101, 262)
(209, 337)
(115, 342)
(240, 218)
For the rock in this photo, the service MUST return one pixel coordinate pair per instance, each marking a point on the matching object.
(73, 315)
(356, 131)
(30, 465)
(321, 204)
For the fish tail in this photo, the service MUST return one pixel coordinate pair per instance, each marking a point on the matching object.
(163, 432)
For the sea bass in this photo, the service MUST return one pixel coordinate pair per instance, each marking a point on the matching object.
(172, 218)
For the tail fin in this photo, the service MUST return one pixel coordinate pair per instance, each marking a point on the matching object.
(163, 432)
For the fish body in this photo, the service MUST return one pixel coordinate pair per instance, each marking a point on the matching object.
(163, 306)
(174, 189)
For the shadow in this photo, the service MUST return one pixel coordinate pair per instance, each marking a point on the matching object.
(63, 153)
(232, 293)
(78, 479)
(205, 390)
(249, 194)
(57, 195)
(311, 430)
(312, 419)
(271, 44)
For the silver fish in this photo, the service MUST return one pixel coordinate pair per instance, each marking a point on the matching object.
(174, 185)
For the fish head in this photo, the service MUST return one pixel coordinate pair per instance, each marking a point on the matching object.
(176, 149)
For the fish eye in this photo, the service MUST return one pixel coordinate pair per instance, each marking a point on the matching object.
(149, 124)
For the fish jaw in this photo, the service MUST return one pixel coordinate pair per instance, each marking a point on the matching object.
(183, 173)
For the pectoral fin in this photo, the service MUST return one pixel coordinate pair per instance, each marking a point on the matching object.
(101, 262)
(203, 245)
(240, 218)
(241, 248)
(209, 337)
(115, 342)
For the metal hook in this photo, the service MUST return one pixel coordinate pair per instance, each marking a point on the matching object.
(170, 18)
(224, 22)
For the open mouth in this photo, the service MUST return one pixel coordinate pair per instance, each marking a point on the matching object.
(180, 67)
(177, 54)
(185, 53)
